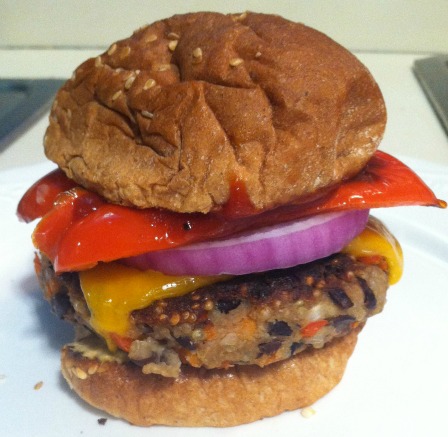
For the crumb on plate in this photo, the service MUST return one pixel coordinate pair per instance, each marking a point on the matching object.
(38, 385)
(308, 412)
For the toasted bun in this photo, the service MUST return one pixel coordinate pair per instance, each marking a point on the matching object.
(171, 116)
(203, 397)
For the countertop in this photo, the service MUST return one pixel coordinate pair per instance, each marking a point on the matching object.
(413, 130)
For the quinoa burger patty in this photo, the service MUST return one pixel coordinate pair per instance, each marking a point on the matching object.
(253, 319)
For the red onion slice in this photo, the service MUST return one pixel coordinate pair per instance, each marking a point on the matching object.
(273, 247)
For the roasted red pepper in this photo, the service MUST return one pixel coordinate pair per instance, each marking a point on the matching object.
(123, 343)
(40, 197)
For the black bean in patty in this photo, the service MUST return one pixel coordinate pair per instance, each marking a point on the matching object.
(342, 323)
(270, 347)
(339, 297)
(296, 346)
(186, 342)
(279, 329)
(227, 305)
(369, 295)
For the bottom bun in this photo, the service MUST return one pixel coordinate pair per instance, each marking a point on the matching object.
(202, 397)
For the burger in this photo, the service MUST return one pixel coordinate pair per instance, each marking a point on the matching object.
(207, 229)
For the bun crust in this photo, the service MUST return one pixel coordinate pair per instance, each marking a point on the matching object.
(203, 397)
(173, 115)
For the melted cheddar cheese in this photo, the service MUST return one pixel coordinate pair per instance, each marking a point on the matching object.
(113, 290)
(377, 240)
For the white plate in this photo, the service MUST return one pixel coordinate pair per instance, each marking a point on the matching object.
(396, 383)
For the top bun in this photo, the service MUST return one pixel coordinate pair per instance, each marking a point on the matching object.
(173, 115)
